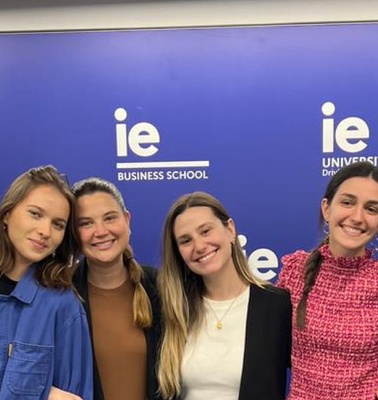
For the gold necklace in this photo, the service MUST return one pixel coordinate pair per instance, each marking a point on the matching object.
(219, 324)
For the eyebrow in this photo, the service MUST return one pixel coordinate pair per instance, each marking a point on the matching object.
(105, 215)
(42, 210)
(199, 228)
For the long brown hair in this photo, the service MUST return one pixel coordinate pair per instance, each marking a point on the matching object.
(55, 271)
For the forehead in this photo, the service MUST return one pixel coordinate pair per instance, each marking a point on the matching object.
(360, 187)
(192, 218)
(48, 198)
(98, 202)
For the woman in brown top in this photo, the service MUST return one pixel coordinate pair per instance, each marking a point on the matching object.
(119, 296)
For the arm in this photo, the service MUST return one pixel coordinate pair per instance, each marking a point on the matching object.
(73, 368)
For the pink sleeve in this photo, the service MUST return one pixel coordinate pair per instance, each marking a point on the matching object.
(292, 267)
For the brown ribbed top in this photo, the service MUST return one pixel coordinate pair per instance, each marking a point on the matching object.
(120, 347)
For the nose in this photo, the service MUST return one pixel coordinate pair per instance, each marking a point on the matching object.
(44, 228)
(357, 215)
(100, 230)
(199, 244)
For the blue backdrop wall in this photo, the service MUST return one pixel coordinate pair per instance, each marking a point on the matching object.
(260, 117)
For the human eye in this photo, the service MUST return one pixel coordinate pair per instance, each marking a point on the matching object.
(372, 210)
(59, 225)
(206, 230)
(110, 217)
(36, 214)
(346, 202)
(84, 223)
(183, 241)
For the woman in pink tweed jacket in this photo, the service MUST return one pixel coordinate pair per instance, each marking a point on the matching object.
(334, 291)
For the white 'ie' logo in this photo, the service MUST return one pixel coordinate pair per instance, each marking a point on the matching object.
(348, 132)
(261, 261)
(141, 138)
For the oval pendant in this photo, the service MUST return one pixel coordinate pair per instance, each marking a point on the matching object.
(219, 325)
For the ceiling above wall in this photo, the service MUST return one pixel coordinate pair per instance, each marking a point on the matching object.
(19, 4)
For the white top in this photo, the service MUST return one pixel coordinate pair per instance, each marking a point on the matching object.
(212, 362)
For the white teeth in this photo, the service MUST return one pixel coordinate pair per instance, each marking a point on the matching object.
(103, 244)
(352, 231)
(207, 257)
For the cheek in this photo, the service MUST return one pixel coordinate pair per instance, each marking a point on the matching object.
(335, 215)
(374, 224)
(123, 232)
(184, 252)
(84, 236)
(58, 237)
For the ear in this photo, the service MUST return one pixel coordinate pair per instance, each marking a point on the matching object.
(127, 216)
(325, 206)
(5, 219)
(231, 228)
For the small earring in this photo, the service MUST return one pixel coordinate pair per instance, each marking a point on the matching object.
(130, 232)
(326, 232)
(53, 254)
(5, 226)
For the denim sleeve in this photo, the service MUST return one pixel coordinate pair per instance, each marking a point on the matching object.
(73, 368)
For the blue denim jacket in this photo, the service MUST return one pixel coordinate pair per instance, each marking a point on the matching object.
(44, 342)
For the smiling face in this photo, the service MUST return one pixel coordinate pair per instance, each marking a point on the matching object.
(204, 242)
(352, 216)
(104, 228)
(36, 225)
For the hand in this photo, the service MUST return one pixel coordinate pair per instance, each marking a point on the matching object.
(57, 394)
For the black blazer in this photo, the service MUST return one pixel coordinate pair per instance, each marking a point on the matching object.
(152, 334)
(267, 345)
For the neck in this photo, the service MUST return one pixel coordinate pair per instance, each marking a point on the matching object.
(17, 272)
(224, 288)
(107, 277)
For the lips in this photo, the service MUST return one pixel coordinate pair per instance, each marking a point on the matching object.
(352, 231)
(38, 244)
(207, 257)
(103, 245)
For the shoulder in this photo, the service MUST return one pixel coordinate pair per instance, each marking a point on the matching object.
(272, 301)
(149, 280)
(69, 301)
(63, 303)
(295, 258)
(272, 293)
(149, 277)
(150, 273)
(292, 269)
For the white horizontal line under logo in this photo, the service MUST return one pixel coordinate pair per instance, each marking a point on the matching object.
(163, 164)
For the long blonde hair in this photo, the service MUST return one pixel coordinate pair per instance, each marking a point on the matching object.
(142, 311)
(182, 291)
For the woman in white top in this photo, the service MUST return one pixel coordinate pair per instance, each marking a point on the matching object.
(226, 335)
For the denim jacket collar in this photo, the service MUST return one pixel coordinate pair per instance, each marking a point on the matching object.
(27, 288)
